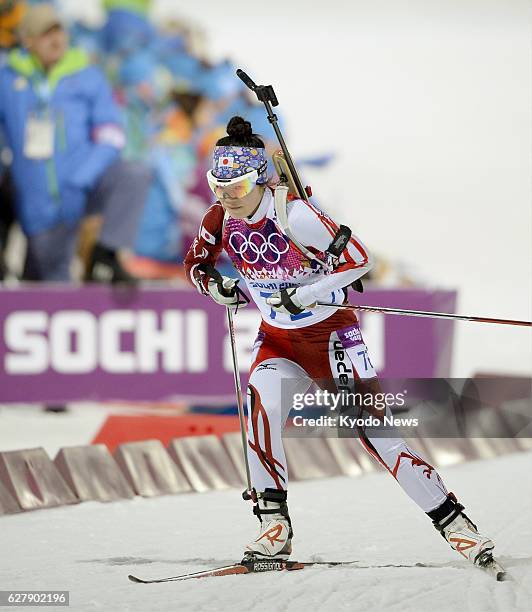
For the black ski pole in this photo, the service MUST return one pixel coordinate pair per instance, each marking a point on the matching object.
(249, 493)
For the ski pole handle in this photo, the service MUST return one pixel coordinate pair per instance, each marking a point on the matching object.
(212, 272)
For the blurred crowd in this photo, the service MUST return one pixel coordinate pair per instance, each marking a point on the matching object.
(105, 136)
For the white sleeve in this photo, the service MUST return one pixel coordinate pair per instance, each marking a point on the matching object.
(315, 229)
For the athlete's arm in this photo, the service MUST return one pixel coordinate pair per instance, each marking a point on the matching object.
(315, 229)
(206, 248)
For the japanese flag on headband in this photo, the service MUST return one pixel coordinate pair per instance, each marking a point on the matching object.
(230, 162)
(225, 162)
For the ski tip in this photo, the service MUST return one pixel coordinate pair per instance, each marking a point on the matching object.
(134, 578)
(502, 576)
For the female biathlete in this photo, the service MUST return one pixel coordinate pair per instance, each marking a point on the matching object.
(299, 340)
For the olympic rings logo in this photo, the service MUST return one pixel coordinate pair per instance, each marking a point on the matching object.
(270, 248)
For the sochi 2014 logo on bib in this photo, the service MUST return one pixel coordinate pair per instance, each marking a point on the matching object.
(226, 162)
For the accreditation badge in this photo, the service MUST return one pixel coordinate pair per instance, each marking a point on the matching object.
(39, 138)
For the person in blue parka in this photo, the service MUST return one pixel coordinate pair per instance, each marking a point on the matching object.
(64, 130)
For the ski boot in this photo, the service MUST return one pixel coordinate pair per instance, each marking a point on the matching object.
(461, 533)
(275, 537)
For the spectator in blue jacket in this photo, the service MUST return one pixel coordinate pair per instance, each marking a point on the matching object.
(64, 130)
(11, 14)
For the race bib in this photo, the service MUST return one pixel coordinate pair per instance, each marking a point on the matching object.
(351, 339)
(39, 138)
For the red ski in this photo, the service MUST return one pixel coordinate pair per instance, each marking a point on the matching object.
(244, 567)
(493, 568)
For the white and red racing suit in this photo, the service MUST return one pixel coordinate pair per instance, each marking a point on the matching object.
(294, 351)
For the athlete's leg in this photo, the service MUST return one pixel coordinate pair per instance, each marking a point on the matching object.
(268, 405)
(420, 481)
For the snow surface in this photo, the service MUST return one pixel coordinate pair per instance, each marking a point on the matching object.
(89, 549)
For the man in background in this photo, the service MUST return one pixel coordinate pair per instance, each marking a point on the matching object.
(64, 131)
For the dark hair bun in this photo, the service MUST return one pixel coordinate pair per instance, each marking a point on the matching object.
(239, 128)
(240, 134)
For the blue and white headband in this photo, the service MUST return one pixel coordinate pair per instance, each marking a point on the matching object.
(230, 162)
